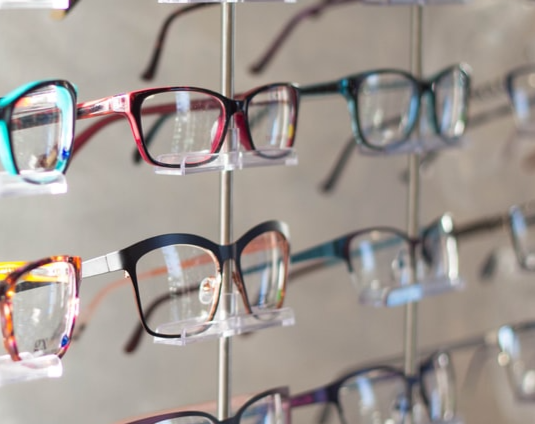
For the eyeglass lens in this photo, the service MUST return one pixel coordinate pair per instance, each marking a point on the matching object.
(381, 259)
(41, 130)
(389, 105)
(519, 346)
(196, 126)
(188, 278)
(523, 99)
(43, 308)
(439, 387)
(377, 396)
(523, 232)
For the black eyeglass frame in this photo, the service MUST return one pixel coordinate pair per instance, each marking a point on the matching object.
(127, 258)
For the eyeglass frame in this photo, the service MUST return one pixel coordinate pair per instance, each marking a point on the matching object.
(127, 258)
(329, 394)
(6, 293)
(128, 105)
(7, 104)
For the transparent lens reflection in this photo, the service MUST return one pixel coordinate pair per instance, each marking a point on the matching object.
(270, 116)
(523, 99)
(387, 108)
(264, 265)
(380, 259)
(44, 307)
(41, 130)
(375, 397)
(451, 100)
(272, 409)
(190, 129)
(180, 283)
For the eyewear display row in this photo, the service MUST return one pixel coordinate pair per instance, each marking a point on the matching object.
(383, 393)
(175, 127)
(177, 277)
(37, 120)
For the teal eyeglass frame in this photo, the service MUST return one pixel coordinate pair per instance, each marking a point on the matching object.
(66, 100)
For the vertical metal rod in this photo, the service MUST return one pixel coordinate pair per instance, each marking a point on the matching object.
(413, 202)
(226, 186)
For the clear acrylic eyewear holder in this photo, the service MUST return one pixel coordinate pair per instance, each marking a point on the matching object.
(29, 368)
(232, 324)
(402, 295)
(226, 161)
(15, 185)
(34, 4)
(419, 145)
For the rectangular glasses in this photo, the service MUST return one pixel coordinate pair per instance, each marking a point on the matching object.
(185, 127)
(177, 278)
(39, 305)
(384, 394)
(379, 262)
(385, 106)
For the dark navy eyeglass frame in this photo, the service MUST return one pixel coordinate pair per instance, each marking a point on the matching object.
(330, 393)
(349, 88)
(127, 258)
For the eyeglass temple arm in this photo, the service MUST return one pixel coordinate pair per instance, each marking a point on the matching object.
(148, 73)
(102, 265)
(310, 11)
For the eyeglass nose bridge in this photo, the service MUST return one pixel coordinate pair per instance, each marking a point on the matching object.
(230, 273)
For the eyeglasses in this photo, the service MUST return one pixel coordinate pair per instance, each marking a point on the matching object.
(269, 407)
(385, 105)
(37, 130)
(265, 119)
(518, 84)
(192, 280)
(385, 394)
(379, 262)
(39, 305)
(519, 224)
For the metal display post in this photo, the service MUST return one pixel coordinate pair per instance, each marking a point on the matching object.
(227, 89)
(413, 203)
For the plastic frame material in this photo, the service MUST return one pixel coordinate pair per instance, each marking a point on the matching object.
(7, 292)
(330, 393)
(349, 86)
(12, 182)
(126, 259)
(18, 367)
(128, 105)
(339, 249)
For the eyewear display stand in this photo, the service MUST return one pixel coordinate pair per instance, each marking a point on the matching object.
(34, 4)
(15, 185)
(29, 368)
(229, 323)
(227, 161)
